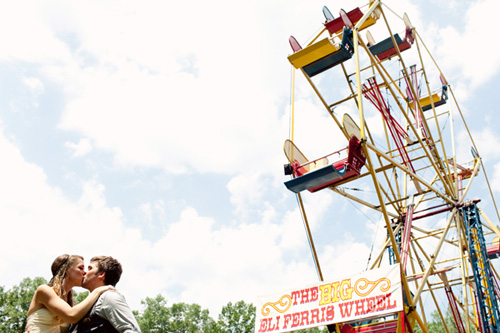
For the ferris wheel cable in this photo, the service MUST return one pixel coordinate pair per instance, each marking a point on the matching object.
(395, 14)
(378, 152)
(379, 258)
(480, 159)
(309, 236)
(315, 35)
(355, 189)
(350, 201)
(375, 235)
(292, 103)
(460, 112)
(373, 244)
(446, 124)
(424, 120)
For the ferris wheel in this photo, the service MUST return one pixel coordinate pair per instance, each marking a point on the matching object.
(400, 142)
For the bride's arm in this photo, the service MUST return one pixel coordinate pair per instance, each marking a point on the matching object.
(48, 297)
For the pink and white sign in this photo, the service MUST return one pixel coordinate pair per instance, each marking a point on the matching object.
(369, 294)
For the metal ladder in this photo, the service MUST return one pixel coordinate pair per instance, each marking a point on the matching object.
(484, 289)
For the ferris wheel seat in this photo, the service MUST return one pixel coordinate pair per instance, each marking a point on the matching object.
(493, 251)
(305, 56)
(328, 62)
(335, 25)
(385, 49)
(437, 99)
(316, 180)
(320, 177)
(322, 55)
(378, 327)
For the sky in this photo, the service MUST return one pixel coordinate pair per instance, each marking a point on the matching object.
(152, 131)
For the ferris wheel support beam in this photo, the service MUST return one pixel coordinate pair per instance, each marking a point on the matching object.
(431, 234)
(433, 108)
(386, 77)
(413, 175)
(469, 316)
(376, 263)
(357, 40)
(421, 303)
(360, 201)
(379, 194)
(430, 289)
(381, 70)
(493, 227)
(434, 257)
(480, 159)
(424, 120)
(463, 266)
(466, 127)
(404, 281)
(309, 237)
(368, 159)
(421, 198)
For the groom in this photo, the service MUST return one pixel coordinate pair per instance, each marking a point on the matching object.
(110, 313)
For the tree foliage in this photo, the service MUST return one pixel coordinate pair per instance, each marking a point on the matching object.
(78, 297)
(237, 318)
(156, 316)
(14, 304)
(180, 317)
(436, 324)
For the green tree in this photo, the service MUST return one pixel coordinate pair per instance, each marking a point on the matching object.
(156, 315)
(78, 297)
(190, 319)
(436, 324)
(14, 304)
(180, 317)
(237, 318)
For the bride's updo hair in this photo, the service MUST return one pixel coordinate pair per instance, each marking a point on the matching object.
(59, 268)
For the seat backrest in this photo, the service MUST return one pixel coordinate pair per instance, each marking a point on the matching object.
(346, 19)
(370, 39)
(294, 44)
(444, 89)
(347, 40)
(443, 80)
(328, 14)
(355, 158)
(444, 93)
(409, 38)
(318, 164)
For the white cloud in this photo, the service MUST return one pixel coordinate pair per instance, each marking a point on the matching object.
(40, 219)
(196, 260)
(34, 84)
(469, 70)
(246, 191)
(194, 256)
(495, 182)
(82, 148)
(33, 40)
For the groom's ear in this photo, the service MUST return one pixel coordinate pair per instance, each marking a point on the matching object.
(101, 275)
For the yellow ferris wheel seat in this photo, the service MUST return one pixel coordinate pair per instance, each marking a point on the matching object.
(322, 55)
(313, 52)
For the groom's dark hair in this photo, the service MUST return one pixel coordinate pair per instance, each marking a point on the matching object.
(111, 267)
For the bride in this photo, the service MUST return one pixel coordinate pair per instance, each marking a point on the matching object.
(51, 309)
